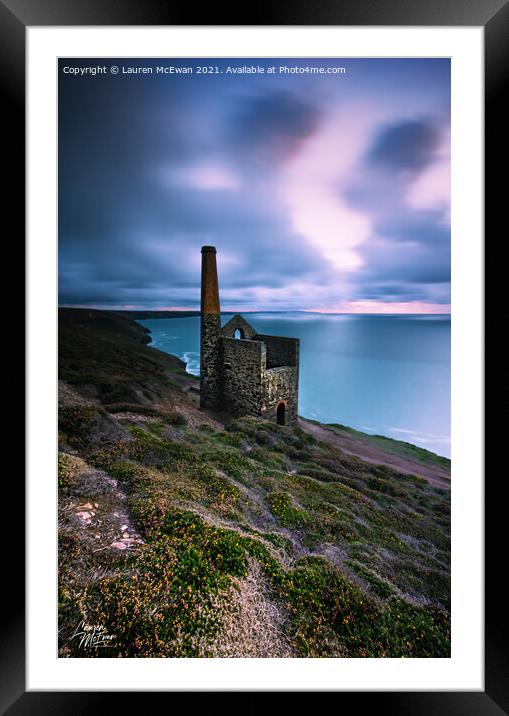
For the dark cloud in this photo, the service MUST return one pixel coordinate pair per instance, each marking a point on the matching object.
(268, 127)
(407, 257)
(416, 262)
(407, 145)
(415, 226)
(406, 292)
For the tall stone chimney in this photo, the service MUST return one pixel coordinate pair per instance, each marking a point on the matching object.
(210, 333)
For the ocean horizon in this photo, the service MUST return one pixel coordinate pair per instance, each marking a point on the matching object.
(384, 374)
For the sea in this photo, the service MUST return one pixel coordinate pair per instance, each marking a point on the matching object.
(381, 374)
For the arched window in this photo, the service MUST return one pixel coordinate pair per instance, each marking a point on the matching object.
(281, 414)
(239, 333)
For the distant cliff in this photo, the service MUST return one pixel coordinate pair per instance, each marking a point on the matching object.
(141, 315)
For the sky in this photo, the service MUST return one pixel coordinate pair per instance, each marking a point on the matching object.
(322, 191)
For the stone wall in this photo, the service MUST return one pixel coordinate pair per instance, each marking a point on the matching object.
(243, 367)
(280, 351)
(280, 384)
(237, 322)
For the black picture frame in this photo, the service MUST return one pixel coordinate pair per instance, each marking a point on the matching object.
(15, 17)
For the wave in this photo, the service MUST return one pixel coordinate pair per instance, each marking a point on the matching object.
(192, 361)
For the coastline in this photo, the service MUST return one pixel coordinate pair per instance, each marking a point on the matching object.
(376, 443)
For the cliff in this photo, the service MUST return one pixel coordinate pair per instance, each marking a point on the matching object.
(185, 533)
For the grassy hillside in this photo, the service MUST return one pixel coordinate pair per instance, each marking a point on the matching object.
(184, 533)
(395, 447)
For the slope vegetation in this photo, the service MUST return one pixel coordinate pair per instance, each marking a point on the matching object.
(183, 533)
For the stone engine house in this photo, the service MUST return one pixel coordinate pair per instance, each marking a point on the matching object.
(241, 371)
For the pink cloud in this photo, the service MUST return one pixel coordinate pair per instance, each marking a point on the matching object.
(309, 187)
(205, 177)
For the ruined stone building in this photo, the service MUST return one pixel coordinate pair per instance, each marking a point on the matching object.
(241, 371)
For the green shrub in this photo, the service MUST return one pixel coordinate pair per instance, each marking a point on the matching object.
(76, 421)
(281, 505)
(66, 469)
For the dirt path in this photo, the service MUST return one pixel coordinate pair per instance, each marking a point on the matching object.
(435, 475)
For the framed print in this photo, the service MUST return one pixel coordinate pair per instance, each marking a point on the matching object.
(255, 330)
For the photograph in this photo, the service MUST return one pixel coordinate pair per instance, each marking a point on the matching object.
(254, 357)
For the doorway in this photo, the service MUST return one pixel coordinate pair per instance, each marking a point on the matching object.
(281, 414)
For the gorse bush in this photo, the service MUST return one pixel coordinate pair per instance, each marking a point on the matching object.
(162, 603)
